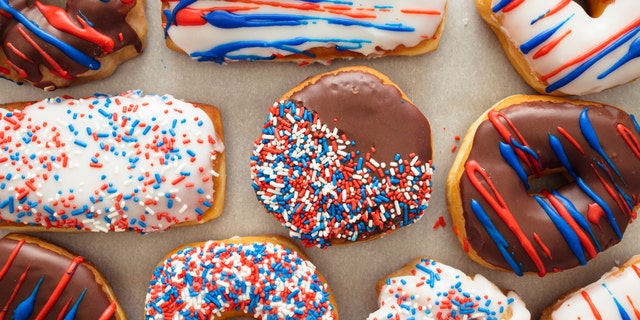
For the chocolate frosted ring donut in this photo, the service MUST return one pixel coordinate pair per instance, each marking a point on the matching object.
(500, 218)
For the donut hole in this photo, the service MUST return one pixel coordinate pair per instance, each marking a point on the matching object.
(551, 179)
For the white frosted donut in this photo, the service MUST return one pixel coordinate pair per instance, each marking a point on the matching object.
(302, 31)
(425, 289)
(560, 49)
(110, 163)
(613, 296)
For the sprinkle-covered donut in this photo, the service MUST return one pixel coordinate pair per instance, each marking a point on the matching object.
(39, 280)
(110, 163)
(544, 184)
(344, 156)
(558, 48)
(301, 30)
(426, 289)
(613, 296)
(51, 47)
(264, 277)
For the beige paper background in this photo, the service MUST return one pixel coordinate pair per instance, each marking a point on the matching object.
(452, 86)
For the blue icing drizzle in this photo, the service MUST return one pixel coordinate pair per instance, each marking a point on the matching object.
(591, 136)
(493, 232)
(583, 186)
(542, 37)
(634, 52)
(567, 233)
(623, 313)
(557, 148)
(500, 5)
(71, 315)
(25, 308)
(590, 62)
(512, 159)
(70, 51)
(575, 214)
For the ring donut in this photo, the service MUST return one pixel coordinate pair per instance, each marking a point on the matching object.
(558, 48)
(265, 277)
(501, 218)
(344, 156)
(39, 280)
(613, 296)
(301, 31)
(427, 289)
(51, 47)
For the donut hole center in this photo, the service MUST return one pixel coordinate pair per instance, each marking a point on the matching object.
(550, 180)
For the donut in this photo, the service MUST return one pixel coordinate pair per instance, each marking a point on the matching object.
(542, 184)
(427, 289)
(51, 47)
(40, 280)
(130, 162)
(344, 156)
(560, 49)
(301, 31)
(613, 296)
(266, 277)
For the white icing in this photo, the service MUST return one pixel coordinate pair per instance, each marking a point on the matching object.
(315, 29)
(89, 164)
(613, 296)
(428, 294)
(583, 34)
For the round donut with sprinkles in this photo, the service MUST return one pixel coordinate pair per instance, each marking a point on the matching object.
(265, 277)
(343, 157)
(425, 289)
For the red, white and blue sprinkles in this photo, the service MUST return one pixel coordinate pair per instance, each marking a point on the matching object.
(262, 279)
(131, 162)
(228, 30)
(303, 176)
(434, 290)
(570, 51)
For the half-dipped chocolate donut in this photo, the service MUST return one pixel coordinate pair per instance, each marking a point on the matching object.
(505, 222)
(39, 280)
(52, 47)
(344, 156)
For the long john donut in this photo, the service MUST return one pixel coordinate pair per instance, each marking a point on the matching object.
(52, 47)
(560, 49)
(301, 30)
(504, 224)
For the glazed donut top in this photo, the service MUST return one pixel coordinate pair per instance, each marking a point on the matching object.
(437, 291)
(613, 296)
(107, 163)
(227, 30)
(345, 159)
(67, 43)
(262, 279)
(36, 282)
(570, 51)
(514, 227)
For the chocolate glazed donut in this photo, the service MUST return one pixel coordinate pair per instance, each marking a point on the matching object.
(39, 280)
(504, 223)
(52, 47)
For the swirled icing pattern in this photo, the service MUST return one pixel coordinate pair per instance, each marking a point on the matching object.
(261, 279)
(434, 290)
(613, 296)
(229, 30)
(107, 163)
(569, 51)
(67, 42)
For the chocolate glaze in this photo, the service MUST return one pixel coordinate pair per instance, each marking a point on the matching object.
(369, 112)
(51, 266)
(535, 120)
(108, 18)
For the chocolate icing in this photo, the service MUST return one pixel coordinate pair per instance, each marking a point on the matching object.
(371, 113)
(50, 265)
(535, 121)
(108, 18)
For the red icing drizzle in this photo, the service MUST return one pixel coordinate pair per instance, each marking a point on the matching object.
(594, 214)
(12, 257)
(614, 194)
(629, 138)
(497, 203)
(62, 284)
(512, 5)
(59, 19)
(3, 312)
(56, 67)
(584, 239)
(593, 307)
(557, 8)
(505, 133)
(544, 248)
(571, 139)
(544, 50)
